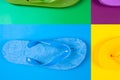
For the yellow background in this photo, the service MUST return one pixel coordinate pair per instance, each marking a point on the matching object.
(98, 34)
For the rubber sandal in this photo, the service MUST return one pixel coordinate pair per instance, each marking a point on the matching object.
(61, 53)
(45, 3)
(106, 54)
(110, 2)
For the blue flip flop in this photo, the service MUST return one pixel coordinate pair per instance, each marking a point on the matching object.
(61, 53)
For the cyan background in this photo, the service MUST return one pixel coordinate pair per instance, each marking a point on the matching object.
(10, 71)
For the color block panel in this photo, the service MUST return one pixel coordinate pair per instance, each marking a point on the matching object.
(105, 52)
(105, 12)
(15, 14)
(39, 32)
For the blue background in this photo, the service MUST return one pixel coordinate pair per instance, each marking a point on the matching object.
(10, 71)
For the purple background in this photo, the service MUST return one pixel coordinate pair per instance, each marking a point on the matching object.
(102, 14)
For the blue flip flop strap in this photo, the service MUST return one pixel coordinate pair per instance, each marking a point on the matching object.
(64, 54)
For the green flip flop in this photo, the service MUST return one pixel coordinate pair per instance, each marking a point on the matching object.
(45, 3)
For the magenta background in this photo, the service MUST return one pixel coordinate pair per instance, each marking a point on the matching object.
(102, 14)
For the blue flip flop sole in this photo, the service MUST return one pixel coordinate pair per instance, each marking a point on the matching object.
(16, 51)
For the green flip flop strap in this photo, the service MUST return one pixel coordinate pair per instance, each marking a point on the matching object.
(41, 1)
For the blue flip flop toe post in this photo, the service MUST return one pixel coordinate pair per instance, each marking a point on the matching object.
(60, 54)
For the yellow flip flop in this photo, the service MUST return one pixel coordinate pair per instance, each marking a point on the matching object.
(106, 54)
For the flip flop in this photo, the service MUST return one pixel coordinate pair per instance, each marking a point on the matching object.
(60, 54)
(110, 2)
(106, 54)
(45, 3)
